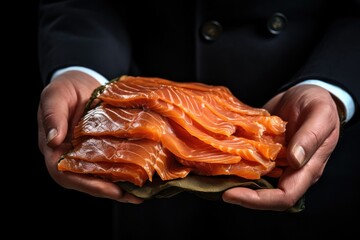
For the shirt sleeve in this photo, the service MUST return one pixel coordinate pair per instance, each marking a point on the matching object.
(100, 78)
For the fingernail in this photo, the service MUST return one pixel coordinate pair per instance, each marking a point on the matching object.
(51, 135)
(299, 154)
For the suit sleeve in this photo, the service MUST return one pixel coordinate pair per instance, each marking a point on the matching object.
(85, 33)
(337, 59)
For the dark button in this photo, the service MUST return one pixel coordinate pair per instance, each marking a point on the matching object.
(276, 23)
(211, 30)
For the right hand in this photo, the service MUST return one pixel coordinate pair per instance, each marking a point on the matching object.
(312, 132)
(61, 105)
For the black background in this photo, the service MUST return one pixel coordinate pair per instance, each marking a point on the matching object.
(35, 206)
(40, 208)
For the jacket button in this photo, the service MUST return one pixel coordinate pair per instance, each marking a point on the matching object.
(211, 30)
(276, 23)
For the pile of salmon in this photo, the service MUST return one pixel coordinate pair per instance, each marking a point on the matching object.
(140, 128)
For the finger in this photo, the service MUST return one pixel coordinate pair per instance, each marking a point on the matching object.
(278, 199)
(263, 199)
(320, 122)
(98, 188)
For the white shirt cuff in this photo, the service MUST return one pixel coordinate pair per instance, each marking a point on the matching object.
(338, 92)
(100, 78)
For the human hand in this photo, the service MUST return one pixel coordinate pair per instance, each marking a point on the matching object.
(61, 105)
(312, 133)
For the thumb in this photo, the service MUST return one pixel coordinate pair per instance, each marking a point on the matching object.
(53, 116)
(310, 136)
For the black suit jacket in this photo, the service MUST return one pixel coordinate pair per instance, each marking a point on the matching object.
(253, 47)
(319, 40)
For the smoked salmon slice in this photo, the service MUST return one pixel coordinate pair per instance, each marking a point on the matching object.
(138, 128)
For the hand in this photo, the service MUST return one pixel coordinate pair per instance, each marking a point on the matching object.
(61, 105)
(312, 133)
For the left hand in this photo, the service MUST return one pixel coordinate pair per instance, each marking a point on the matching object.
(312, 133)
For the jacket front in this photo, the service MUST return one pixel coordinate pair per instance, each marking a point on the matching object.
(255, 48)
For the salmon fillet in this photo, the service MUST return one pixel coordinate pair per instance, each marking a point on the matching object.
(138, 128)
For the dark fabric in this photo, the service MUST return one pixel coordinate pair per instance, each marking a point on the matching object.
(159, 38)
(340, 49)
(321, 40)
(82, 33)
